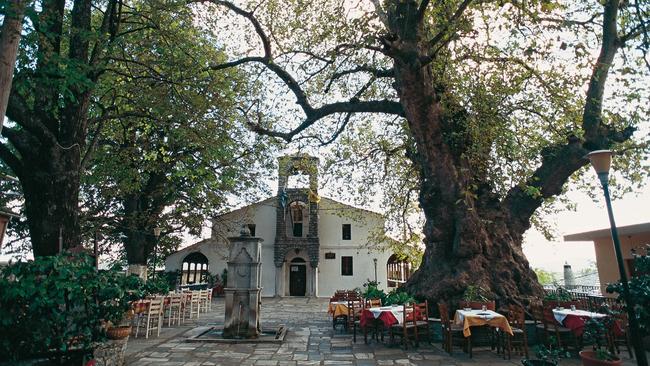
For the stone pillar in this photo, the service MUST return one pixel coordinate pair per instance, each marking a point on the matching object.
(279, 280)
(315, 270)
(139, 270)
(244, 288)
(569, 281)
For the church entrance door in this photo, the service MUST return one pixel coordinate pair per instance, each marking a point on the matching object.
(298, 277)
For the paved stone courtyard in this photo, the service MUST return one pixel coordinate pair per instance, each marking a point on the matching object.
(311, 340)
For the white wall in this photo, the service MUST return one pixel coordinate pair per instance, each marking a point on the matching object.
(361, 248)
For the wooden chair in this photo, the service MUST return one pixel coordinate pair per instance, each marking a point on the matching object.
(204, 300)
(175, 309)
(354, 318)
(406, 326)
(153, 318)
(517, 319)
(421, 314)
(452, 333)
(615, 340)
(546, 323)
(192, 304)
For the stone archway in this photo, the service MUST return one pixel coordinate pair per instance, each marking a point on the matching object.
(194, 268)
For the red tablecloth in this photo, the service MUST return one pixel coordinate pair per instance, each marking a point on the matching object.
(386, 317)
(577, 325)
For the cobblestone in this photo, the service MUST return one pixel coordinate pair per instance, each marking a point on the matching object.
(310, 340)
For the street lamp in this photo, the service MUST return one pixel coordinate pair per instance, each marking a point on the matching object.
(156, 233)
(601, 160)
(375, 260)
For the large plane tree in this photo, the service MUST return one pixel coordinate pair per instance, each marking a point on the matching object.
(501, 101)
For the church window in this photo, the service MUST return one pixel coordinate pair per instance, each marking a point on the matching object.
(347, 232)
(346, 266)
(297, 211)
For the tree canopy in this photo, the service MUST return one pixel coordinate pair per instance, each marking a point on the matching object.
(484, 110)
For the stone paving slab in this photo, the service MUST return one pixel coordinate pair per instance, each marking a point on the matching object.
(310, 340)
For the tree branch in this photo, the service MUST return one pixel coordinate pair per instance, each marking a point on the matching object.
(445, 28)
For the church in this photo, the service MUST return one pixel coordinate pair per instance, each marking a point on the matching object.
(312, 245)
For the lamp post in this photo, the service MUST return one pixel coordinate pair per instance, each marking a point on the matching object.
(156, 233)
(375, 261)
(601, 160)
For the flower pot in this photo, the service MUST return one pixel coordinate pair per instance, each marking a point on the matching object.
(589, 359)
(118, 332)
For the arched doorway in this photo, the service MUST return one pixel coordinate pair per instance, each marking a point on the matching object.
(297, 277)
(195, 267)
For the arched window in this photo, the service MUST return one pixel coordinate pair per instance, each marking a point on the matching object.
(195, 267)
(398, 271)
(297, 219)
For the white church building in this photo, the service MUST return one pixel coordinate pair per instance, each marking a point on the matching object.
(312, 245)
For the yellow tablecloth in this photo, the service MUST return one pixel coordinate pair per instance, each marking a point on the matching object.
(472, 318)
(337, 309)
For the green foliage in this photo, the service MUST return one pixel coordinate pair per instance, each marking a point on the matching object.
(158, 285)
(59, 303)
(398, 297)
(639, 289)
(371, 291)
(545, 277)
(559, 294)
(551, 352)
(177, 142)
(475, 294)
(595, 334)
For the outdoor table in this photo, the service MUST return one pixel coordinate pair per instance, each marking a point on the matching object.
(388, 315)
(339, 308)
(471, 318)
(575, 319)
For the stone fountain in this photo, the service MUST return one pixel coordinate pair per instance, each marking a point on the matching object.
(243, 297)
(243, 291)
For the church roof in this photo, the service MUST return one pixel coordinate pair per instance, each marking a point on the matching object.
(272, 201)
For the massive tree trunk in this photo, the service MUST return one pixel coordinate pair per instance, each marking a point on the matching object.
(142, 211)
(51, 190)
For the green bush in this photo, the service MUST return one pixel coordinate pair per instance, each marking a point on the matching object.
(398, 297)
(639, 289)
(371, 291)
(157, 286)
(56, 304)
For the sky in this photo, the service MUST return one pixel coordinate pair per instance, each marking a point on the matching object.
(589, 215)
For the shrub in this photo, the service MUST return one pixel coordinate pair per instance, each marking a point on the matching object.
(639, 289)
(398, 297)
(52, 305)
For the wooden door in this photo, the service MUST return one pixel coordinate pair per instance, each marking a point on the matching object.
(297, 280)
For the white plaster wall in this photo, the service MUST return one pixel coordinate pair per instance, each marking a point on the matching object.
(361, 248)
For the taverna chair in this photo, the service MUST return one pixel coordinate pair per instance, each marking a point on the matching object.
(175, 309)
(153, 318)
(452, 333)
(519, 339)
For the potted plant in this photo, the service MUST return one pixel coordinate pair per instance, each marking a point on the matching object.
(547, 355)
(596, 334)
(474, 298)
